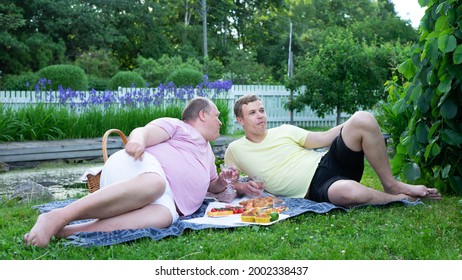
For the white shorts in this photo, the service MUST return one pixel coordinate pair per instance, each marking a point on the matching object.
(121, 166)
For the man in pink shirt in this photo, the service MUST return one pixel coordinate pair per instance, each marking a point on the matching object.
(165, 171)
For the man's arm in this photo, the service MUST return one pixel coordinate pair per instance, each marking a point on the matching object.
(142, 137)
(218, 185)
(319, 139)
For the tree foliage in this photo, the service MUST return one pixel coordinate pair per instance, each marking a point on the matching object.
(429, 147)
(349, 51)
(248, 40)
(342, 76)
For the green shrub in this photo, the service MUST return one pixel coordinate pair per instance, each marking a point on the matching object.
(185, 77)
(98, 63)
(65, 75)
(156, 71)
(97, 83)
(126, 79)
(391, 121)
(150, 69)
(24, 81)
(429, 149)
(214, 69)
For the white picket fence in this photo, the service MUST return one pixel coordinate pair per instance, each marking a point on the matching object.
(274, 98)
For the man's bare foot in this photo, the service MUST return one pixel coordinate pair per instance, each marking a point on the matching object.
(417, 191)
(46, 226)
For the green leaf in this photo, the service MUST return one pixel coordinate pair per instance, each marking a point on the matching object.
(400, 106)
(430, 77)
(432, 150)
(397, 163)
(447, 43)
(428, 94)
(455, 71)
(400, 149)
(451, 137)
(407, 69)
(435, 150)
(445, 84)
(410, 143)
(416, 93)
(433, 129)
(422, 104)
(456, 184)
(430, 51)
(448, 109)
(424, 3)
(415, 58)
(457, 55)
(422, 133)
(441, 23)
(411, 171)
(445, 171)
(442, 67)
(439, 8)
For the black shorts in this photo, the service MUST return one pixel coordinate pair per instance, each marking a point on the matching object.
(339, 163)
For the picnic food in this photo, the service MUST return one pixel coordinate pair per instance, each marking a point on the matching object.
(261, 215)
(262, 218)
(249, 215)
(274, 216)
(266, 201)
(225, 211)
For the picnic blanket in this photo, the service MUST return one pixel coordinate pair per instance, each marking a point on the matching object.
(295, 207)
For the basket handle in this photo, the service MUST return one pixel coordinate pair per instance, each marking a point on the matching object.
(105, 137)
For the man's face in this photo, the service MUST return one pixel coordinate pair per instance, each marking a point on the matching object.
(213, 122)
(253, 118)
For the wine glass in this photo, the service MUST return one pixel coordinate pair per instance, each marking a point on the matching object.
(228, 174)
(260, 181)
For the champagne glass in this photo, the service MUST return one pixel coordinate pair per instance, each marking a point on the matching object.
(228, 171)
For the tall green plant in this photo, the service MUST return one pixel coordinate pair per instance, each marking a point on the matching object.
(430, 148)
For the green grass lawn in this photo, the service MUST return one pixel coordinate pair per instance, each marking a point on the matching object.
(425, 232)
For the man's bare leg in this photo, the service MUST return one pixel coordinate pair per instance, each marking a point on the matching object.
(349, 193)
(151, 215)
(362, 133)
(108, 202)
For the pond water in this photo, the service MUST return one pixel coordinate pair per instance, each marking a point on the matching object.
(63, 180)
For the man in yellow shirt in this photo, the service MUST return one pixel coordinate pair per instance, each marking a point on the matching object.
(285, 159)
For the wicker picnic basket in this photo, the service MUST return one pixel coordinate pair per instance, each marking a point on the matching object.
(93, 180)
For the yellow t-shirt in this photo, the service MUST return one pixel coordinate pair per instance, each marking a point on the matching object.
(283, 162)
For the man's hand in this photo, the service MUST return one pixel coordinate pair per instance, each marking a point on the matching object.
(135, 149)
(250, 188)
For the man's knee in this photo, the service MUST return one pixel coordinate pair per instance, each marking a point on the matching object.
(153, 183)
(345, 193)
(363, 119)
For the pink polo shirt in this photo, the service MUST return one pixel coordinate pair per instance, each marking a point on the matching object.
(188, 162)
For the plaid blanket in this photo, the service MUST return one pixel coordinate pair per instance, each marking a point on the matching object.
(296, 206)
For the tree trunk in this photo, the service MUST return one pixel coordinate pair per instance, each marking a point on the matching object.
(186, 14)
(339, 115)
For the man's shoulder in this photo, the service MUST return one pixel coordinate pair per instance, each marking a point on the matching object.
(288, 128)
(237, 142)
(167, 120)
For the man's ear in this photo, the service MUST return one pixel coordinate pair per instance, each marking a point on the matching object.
(240, 121)
(202, 115)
